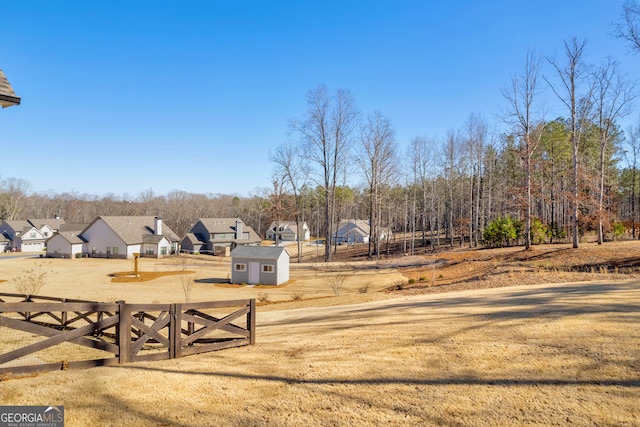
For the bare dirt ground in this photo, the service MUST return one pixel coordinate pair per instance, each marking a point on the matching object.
(479, 337)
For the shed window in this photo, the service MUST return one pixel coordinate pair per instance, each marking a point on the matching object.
(241, 267)
(267, 268)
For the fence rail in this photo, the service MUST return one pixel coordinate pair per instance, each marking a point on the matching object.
(33, 330)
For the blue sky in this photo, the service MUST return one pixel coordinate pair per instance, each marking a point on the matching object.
(122, 96)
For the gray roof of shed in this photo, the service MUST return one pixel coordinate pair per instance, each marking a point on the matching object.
(261, 252)
(7, 95)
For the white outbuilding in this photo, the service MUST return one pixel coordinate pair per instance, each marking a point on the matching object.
(264, 265)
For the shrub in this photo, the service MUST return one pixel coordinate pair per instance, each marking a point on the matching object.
(617, 229)
(539, 231)
(502, 232)
(336, 282)
(399, 285)
(32, 280)
(364, 289)
(263, 297)
(297, 296)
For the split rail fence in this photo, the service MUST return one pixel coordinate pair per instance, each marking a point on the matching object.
(40, 333)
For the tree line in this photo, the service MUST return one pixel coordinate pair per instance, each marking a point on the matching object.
(559, 177)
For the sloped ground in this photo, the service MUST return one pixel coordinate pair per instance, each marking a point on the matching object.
(562, 354)
(497, 349)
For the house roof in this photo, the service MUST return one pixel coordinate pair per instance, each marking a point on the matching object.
(351, 224)
(226, 225)
(7, 95)
(53, 223)
(262, 252)
(287, 226)
(72, 237)
(151, 238)
(17, 225)
(131, 229)
(193, 238)
(72, 226)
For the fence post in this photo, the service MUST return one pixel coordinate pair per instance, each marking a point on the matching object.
(124, 331)
(176, 337)
(63, 317)
(251, 321)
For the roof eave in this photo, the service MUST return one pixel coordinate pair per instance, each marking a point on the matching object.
(8, 100)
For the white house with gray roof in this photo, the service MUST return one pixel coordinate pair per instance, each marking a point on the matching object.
(27, 235)
(123, 236)
(288, 231)
(67, 242)
(264, 265)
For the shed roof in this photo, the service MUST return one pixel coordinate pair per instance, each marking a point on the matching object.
(261, 252)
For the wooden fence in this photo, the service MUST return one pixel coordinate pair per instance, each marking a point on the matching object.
(36, 331)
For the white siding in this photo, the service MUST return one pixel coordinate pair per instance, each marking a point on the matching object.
(102, 240)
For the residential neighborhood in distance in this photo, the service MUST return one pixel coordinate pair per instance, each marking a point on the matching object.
(148, 236)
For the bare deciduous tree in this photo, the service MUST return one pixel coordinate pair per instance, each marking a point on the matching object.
(12, 193)
(612, 97)
(290, 167)
(578, 103)
(628, 27)
(520, 96)
(632, 155)
(326, 131)
(378, 159)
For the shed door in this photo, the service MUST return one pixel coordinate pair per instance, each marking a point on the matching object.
(254, 273)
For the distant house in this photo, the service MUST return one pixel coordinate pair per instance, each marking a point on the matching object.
(209, 235)
(122, 236)
(288, 231)
(356, 231)
(67, 242)
(265, 265)
(27, 235)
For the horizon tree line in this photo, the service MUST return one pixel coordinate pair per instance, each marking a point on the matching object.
(570, 174)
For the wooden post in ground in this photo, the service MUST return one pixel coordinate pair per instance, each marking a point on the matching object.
(124, 331)
(251, 321)
(136, 255)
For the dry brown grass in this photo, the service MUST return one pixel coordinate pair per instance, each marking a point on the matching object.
(523, 354)
(144, 276)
